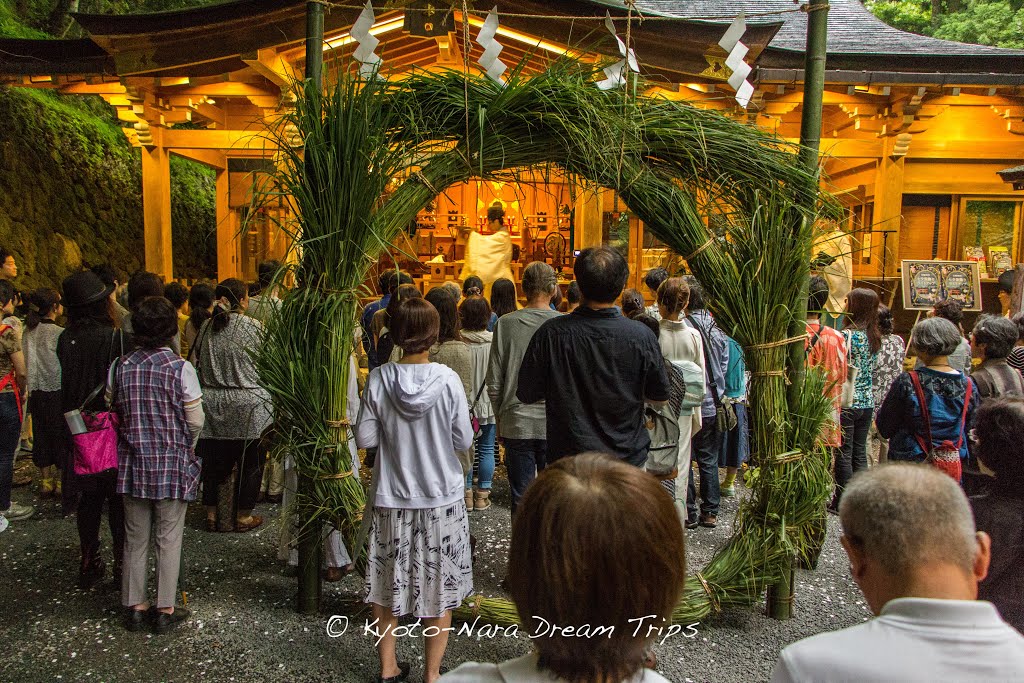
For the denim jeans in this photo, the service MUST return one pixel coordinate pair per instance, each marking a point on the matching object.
(852, 456)
(524, 458)
(10, 433)
(483, 463)
(707, 449)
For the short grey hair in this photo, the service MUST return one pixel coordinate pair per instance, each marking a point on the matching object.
(935, 336)
(998, 334)
(539, 278)
(907, 515)
(455, 290)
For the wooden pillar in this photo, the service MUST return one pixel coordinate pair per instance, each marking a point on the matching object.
(888, 208)
(156, 210)
(227, 237)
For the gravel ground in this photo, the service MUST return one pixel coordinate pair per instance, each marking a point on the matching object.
(245, 629)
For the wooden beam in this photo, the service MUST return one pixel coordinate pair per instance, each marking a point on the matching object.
(845, 148)
(224, 89)
(207, 157)
(226, 140)
(156, 209)
(969, 150)
(82, 88)
(269, 64)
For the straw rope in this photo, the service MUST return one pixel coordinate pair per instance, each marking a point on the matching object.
(712, 598)
(700, 249)
(422, 179)
(339, 475)
(776, 344)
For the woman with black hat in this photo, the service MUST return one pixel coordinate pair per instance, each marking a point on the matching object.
(86, 349)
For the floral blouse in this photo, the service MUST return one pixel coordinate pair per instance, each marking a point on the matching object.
(888, 366)
(860, 357)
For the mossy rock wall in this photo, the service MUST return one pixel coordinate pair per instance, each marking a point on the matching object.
(71, 192)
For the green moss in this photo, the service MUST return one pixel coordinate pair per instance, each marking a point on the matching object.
(12, 26)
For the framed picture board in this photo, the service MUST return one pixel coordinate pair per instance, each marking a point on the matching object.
(926, 283)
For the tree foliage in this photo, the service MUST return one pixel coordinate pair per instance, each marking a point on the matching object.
(985, 22)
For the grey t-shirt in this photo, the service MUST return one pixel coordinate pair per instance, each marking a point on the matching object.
(512, 334)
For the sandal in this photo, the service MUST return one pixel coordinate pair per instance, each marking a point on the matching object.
(243, 525)
(403, 668)
(335, 574)
(211, 524)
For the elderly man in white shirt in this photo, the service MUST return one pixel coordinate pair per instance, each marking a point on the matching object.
(914, 551)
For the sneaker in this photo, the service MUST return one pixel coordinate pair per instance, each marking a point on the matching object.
(18, 511)
(3, 524)
(728, 491)
(163, 622)
(692, 523)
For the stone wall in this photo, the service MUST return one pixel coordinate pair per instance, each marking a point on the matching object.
(70, 192)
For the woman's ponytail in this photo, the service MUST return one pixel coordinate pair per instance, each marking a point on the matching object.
(229, 295)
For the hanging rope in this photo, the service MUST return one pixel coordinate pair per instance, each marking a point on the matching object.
(465, 76)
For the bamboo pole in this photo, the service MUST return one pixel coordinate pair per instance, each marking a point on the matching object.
(781, 596)
(310, 539)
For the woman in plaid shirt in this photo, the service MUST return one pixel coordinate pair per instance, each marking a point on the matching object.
(157, 396)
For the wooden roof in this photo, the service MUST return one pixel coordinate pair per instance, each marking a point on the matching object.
(215, 40)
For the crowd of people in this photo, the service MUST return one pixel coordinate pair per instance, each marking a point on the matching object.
(621, 425)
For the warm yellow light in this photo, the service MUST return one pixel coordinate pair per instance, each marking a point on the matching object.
(533, 41)
(172, 81)
(375, 30)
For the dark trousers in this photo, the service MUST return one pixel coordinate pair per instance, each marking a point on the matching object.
(90, 515)
(10, 434)
(852, 456)
(220, 456)
(524, 458)
(706, 450)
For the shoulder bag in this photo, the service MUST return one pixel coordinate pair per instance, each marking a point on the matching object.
(850, 384)
(473, 419)
(725, 413)
(945, 456)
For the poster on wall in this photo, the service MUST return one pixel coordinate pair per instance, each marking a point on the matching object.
(926, 283)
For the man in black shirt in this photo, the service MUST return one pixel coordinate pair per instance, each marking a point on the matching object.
(595, 369)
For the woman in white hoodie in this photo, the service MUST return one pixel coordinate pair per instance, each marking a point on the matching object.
(680, 342)
(476, 313)
(416, 414)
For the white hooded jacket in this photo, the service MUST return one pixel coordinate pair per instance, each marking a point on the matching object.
(417, 416)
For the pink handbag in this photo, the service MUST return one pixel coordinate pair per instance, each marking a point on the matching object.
(94, 434)
(96, 449)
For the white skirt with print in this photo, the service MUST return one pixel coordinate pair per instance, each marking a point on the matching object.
(419, 561)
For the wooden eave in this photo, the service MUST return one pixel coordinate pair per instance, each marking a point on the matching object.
(209, 40)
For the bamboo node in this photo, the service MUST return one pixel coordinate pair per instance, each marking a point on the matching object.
(701, 248)
(781, 342)
(339, 475)
(815, 8)
(715, 605)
